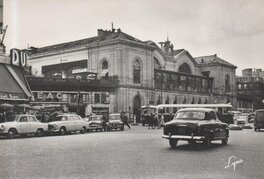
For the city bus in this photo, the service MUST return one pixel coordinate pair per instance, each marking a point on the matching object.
(168, 111)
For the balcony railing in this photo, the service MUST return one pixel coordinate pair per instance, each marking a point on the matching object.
(66, 84)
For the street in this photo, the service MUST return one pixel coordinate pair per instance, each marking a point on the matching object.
(134, 153)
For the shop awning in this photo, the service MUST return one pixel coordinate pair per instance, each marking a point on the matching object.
(13, 84)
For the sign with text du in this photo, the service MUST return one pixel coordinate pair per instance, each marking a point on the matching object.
(18, 57)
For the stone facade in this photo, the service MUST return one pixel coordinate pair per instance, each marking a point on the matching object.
(137, 63)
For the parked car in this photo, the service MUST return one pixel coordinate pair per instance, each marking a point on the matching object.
(22, 125)
(67, 123)
(94, 123)
(259, 119)
(196, 124)
(242, 119)
(115, 122)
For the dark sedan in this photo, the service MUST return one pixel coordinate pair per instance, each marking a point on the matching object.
(196, 124)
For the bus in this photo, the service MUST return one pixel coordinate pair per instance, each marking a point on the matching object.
(168, 111)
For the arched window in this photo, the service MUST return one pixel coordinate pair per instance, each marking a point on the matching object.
(185, 68)
(227, 83)
(104, 65)
(136, 71)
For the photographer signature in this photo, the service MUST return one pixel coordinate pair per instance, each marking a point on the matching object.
(233, 162)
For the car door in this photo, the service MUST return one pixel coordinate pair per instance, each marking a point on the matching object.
(34, 125)
(78, 123)
(70, 124)
(23, 126)
(215, 124)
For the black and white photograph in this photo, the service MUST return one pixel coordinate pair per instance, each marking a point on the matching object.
(119, 89)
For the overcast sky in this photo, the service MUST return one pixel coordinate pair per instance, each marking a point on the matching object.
(232, 29)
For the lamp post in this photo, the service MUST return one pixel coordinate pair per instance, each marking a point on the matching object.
(78, 78)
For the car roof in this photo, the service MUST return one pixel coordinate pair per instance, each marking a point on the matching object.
(22, 115)
(197, 109)
(114, 114)
(259, 110)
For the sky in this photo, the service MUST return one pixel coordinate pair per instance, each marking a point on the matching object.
(234, 30)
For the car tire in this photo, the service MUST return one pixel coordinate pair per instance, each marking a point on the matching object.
(173, 143)
(207, 142)
(11, 133)
(39, 133)
(225, 141)
(122, 128)
(82, 131)
(256, 129)
(62, 131)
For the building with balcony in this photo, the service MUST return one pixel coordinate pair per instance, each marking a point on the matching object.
(252, 86)
(146, 73)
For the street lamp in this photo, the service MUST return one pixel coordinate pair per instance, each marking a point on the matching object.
(78, 78)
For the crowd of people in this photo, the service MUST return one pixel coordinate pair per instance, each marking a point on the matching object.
(156, 120)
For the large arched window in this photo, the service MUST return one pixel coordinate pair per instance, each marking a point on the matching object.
(185, 68)
(227, 83)
(136, 71)
(104, 65)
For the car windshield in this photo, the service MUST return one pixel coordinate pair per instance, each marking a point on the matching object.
(114, 117)
(60, 118)
(95, 118)
(11, 118)
(193, 115)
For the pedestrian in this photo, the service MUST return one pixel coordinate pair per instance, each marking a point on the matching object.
(125, 120)
(151, 121)
(161, 121)
(155, 121)
(104, 122)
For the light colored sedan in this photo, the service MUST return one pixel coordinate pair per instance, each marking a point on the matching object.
(66, 123)
(22, 125)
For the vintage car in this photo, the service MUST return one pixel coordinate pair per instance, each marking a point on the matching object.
(259, 120)
(66, 123)
(94, 123)
(115, 122)
(22, 125)
(195, 124)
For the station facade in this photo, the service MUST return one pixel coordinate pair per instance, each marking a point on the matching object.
(143, 72)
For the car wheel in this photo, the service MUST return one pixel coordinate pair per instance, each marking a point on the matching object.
(173, 143)
(224, 141)
(143, 124)
(256, 129)
(11, 133)
(82, 131)
(122, 128)
(207, 142)
(39, 133)
(62, 131)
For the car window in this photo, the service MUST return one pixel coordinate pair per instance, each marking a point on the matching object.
(212, 115)
(76, 118)
(71, 118)
(60, 118)
(31, 119)
(114, 117)
(194, 115)
(23, 119)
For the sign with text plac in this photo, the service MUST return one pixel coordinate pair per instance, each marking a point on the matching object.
(19, 58)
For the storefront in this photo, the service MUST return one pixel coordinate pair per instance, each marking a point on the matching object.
(14, 89)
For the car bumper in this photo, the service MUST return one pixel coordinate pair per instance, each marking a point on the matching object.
(183, 137)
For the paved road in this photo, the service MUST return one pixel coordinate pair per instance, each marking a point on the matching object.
(135, 153)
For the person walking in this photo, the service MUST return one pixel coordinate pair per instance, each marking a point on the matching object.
(151, 121)
(125, 120)
(161, 121)
(155, 121)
